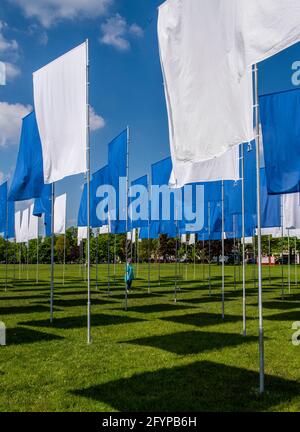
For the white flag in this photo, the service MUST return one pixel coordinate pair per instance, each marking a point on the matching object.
(18, 226)
(291, 211)
(82, 234)
(209, 107)
(207, 50)
(33, 230)
(263, 28)
(133, 235)
(60, 212)
(104, 230)
(60, 98)
(192, 239)
(24, 227)
(183, 238)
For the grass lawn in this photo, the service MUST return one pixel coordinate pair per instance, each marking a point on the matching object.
(157, 356)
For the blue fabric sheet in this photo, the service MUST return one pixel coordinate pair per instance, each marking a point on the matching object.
(280, 114)
(28, 180)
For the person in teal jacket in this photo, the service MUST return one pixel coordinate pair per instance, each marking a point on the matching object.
(129, 275)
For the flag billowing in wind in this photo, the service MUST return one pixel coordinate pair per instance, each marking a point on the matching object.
(60, 97)
(207, 49)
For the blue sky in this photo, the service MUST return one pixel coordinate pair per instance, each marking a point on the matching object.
(126, 80)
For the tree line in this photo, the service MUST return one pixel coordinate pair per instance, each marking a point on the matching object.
(111, 247)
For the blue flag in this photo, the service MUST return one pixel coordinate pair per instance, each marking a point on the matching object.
(28, 180)
(280, 113)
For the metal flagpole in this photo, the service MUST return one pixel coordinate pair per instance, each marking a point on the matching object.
(15, 258)
(186, 259)
(234, 250)
(52, 253)
(108, 264)
(97, 258)
(27, 259)
(127, 194)
(6, 247)
(88, 178)
(209, 249)
(64, 264)
(223, 252)
(244, 246)
(37, 259)
(296, 263)
(20, 259)
(203, 253)
(195, 258)
(115, 249)
(289, 262)
(260, 297)
(282, 249)
(255, 262)
(270, 260)
(176, 258)
(149, 197)
(159, 261)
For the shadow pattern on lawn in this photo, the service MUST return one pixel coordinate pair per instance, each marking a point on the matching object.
(200, 386)
(192, 342)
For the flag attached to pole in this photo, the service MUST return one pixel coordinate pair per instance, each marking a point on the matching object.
(60, 96)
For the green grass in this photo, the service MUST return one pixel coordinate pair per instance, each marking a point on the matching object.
(157, 356)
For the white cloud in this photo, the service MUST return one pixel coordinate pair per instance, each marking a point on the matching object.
(10, 122)
(115, 31)
(96, 121)
(12, 71)
(6, 45)
(49, 12)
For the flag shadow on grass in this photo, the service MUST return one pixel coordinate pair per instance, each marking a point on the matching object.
(192, 342)
(200, 386)
(156, 308)
(293, 316)
(203, 319)
(16, 310)
(80, 302)
(22, 335)
(80, 321)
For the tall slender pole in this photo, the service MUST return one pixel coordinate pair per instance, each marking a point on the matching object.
(88, 179)
(159, 260)
(289, 262)
(37, 259)
(209, 249)
(223, 251)
(52, 253)
(97, 258)
(27, 259)
(282, 249)
(234, 250)
(127, 194)
(15, 258)
(270, 260)
(115, 250)
(108, 264)
(6, 247)
(296, 263)
(64, 264)
(243, 245)
(149, 198)
(260, 295)
(195, 258)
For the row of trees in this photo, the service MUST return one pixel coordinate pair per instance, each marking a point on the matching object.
(109, 246)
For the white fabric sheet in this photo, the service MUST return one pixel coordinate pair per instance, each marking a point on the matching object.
(24, 227)
(33, 229)
(225, 167)
(192, 240)
(209, 108)
(60, 106)
(60, 212)
(82, 234)
(291, 211)
(264, 28)
(104, 230)
(207, 49)
(18, 226)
